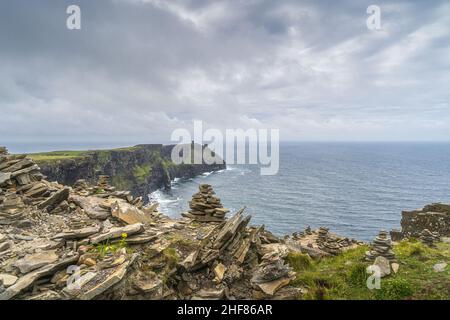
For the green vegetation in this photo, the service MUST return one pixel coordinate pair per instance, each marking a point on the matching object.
(57, 155)
(121, 181)
(142, 172)
(103, 249)
(344, 276)
(64, 155)
(299, 261)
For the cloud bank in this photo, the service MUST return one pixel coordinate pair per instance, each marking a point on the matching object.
(140, 68)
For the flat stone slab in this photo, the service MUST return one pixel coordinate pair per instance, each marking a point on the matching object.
(92, 206)
(4, 177)
(55, 199)
(27, 280)
(8, 279)
(78, 233)
(115, 233)
(110, 281)
(273, 286)
(129, 213)
(36, 260)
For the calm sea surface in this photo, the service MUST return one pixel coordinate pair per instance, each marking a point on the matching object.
(355, 189)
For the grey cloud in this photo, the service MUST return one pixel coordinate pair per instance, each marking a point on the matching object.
(140, 68)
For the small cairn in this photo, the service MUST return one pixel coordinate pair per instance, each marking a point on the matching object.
(12, 209)
(308, 230)
(205, 206)
(103, 185)
(81, 187)
(381, 246)
(322, 234)
(427, 237)
(327, 243)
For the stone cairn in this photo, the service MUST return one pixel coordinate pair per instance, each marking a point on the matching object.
(21, 185)
(308, 230)
(381, 246)
(205, 206)
(327, 243)
(81, 187)
(103, 185)
(427, 237)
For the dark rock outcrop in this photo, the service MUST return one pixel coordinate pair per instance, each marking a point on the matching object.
(434, 217)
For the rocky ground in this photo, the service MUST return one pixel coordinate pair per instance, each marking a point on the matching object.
(94, 242)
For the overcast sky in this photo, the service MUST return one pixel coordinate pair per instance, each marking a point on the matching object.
(140, 68)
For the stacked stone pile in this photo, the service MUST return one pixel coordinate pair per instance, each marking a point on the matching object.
(381, 246)
(327, 243)
(232, 247)
(427, 238)
(322, 234)
(205, 206)
(103, 185)
(272, 273)
(308, 230)
(21, 185)
(12, 209)
(331, 243)
(81, 187)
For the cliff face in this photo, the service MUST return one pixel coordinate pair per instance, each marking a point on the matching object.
(141, 169)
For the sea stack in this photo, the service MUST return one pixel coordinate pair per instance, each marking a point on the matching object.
(205, 206)
(381, 246)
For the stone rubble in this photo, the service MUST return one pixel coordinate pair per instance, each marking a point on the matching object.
(205, 206)
(49, 233)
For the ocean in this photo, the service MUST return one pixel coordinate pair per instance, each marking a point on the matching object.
(355, 189)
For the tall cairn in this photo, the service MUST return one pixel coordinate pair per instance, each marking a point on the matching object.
(205, 206)
(381, 246)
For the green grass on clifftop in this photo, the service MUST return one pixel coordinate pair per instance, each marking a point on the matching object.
(64, 155)
(344, 276)
(57, 155)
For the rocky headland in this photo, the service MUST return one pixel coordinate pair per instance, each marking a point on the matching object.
(90, 239)
(141, 169)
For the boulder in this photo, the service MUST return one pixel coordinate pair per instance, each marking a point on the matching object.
(129, 213)
(383, 264)
(395, 267)
(93, 206)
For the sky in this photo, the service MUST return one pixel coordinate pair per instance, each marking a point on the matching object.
(138, 69)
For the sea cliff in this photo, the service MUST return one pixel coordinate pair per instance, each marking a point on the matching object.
(141, 169)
